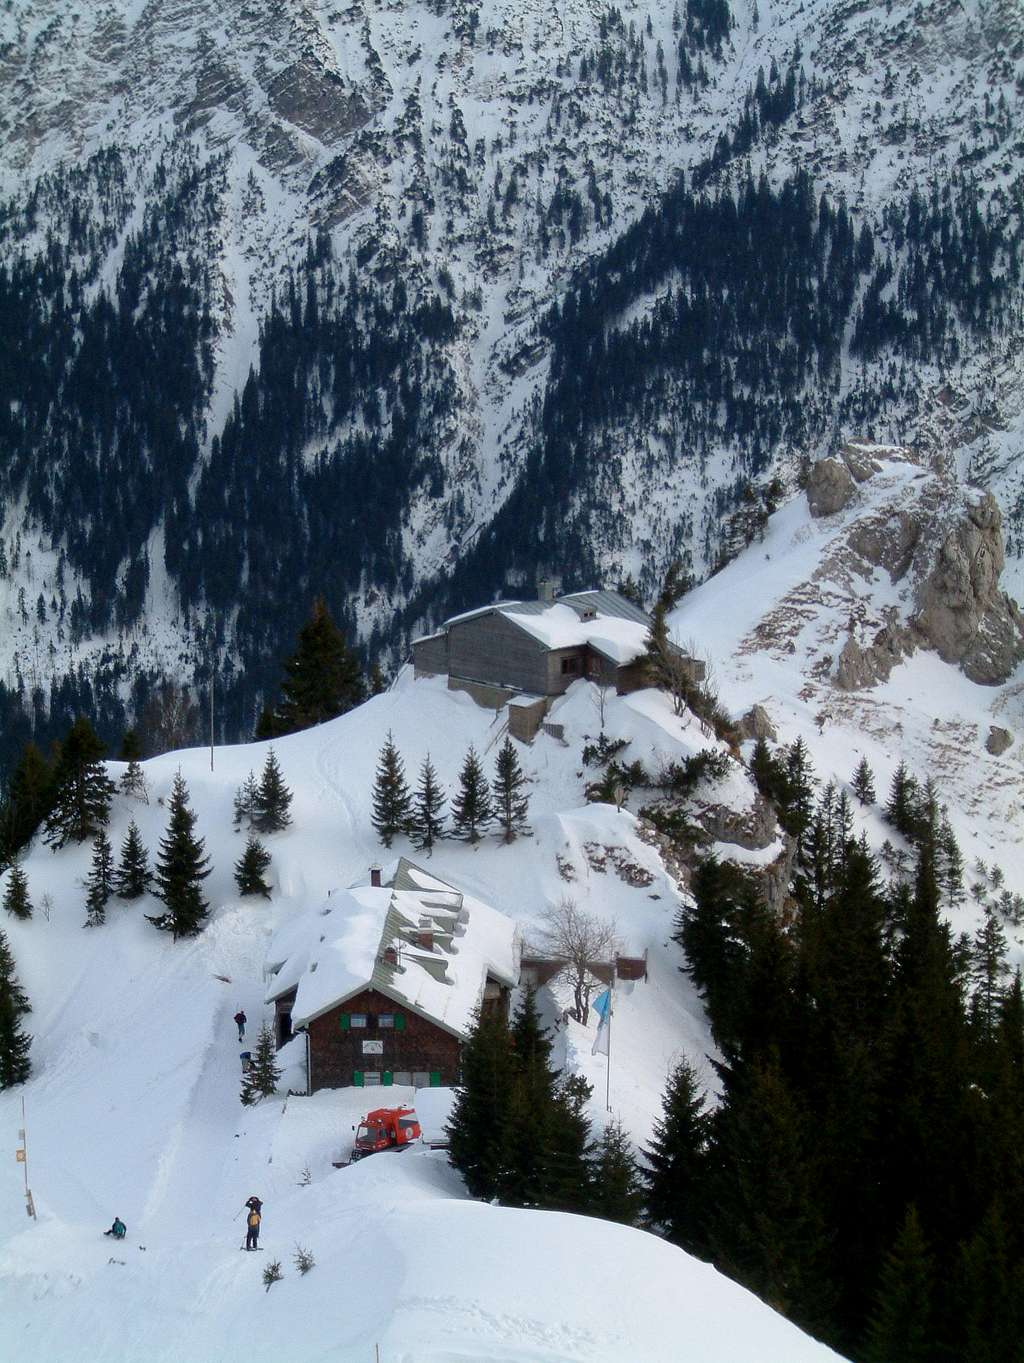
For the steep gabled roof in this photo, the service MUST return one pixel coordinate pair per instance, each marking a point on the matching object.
(369, 937)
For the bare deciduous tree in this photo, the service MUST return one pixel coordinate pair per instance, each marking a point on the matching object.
(169, 720)
(580, 939)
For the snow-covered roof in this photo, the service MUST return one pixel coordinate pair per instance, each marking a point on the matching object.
(368, 937)
(605, 621)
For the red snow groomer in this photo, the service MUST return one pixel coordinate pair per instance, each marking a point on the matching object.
(385, 1128)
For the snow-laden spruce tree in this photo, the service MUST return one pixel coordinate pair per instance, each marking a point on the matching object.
(263, 1075)
(15, 1066)
(81, 804)
(250, 868)
(16, 900)
(391, 799)
(511, 802)
(246, 801)
(132, 877)
(273, 798)
(471, 808)
(428, 821)
(181, 867)
(100, 885)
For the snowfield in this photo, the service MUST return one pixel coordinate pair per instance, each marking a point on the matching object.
(133, 1108)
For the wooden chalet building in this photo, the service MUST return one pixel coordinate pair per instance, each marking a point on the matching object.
(384, 979)
(526, 653)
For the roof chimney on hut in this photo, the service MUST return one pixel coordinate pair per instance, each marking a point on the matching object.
(546, 590)
(375, 879)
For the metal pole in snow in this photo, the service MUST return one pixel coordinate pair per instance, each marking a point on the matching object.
(608, 1071)
(211, 713)
(22, 1157)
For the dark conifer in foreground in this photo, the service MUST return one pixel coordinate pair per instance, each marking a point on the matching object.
(83, 790)
(133, 875)
(15, 1066)
(471, 808)
(616, 1190)
(511, 802)
(27, 803)
(16, 898)
(391, 799)
(901, 808)
(100, 885)
(901, 1323)
(677, 1159)
(250, 868)
(264, 1074)
(863, 783)
(322, 678)
(428, 821)
(273, 798)
(181, 868)
(479, 1146)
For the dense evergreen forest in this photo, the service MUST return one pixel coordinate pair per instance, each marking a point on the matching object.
(733, 320)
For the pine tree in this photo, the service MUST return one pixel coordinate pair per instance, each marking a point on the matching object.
(391, 800)
(511, 803)
(133, 781)
(133, 875)
(471, 808)
(264, 1073)
(428, 822)
(100, 884)
(478, 1142)
(15, 1066)
(131, 747)
(250, 866)
(322, 678)
(247, 801)
(900, 1328)
(16, 900)
(81, 803)
(863, 783)
(181, 867)
(901, 808)
(28, 802)
(677, 1157)
(616, 1190)
(273, 798)
(951, 864)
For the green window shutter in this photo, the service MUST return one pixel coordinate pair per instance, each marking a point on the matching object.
(399, 1022)
(344, 1022)
(387, 1078)
(357, 1079)
(435, 1079)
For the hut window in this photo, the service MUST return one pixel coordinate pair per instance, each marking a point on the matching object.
(570, 665)
(393, 1020)
(348, 1020)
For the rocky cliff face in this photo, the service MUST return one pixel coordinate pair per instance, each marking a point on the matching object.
(947, 544)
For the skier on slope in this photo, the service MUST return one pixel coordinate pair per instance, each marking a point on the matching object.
(240, 1020)
(252, 1224)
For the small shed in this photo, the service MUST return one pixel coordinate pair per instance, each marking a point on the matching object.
(385, 978)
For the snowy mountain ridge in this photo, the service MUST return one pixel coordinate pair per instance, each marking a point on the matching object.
(485, 157)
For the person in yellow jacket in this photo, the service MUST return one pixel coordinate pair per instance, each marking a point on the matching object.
(252, 1228)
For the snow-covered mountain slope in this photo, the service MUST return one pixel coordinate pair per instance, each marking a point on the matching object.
(133, 1106)
(393, 197)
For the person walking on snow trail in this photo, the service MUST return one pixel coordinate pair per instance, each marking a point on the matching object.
(252, 1227)
(240, 1020)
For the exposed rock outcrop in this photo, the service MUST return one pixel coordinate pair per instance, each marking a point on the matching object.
(998, 740)
(752, 828)
(961, 612)
(756, 724)
(830, 487)
(861, 666)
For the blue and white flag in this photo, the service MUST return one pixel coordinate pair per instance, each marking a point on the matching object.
(602, 1006)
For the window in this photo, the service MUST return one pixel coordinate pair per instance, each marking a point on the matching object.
(385, 1019)
(348, 1020)
(570, 666)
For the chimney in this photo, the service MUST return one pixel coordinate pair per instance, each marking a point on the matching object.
(375, 880)
(391, 956)
(546, 591)
(425, 938)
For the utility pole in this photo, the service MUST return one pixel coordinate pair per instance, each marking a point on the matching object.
(211, 711)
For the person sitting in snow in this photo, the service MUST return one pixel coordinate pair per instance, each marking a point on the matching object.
(118, 1230)
(240, 1020)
